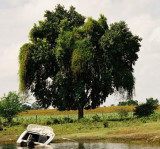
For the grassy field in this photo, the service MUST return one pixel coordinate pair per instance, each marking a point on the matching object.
(107, 124)
(100, 110)
(51, 116)
(132, 130)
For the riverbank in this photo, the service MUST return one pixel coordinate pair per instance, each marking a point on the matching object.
(139, 133)
(121, 131)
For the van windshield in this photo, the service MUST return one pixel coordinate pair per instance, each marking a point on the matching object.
(35, 137)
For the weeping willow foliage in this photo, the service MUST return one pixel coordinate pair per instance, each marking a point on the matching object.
(81, 56)
(64, 48)
(24, 60)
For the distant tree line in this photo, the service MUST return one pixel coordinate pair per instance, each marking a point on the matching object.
(128, 103)
(141, 110)
(135, 102)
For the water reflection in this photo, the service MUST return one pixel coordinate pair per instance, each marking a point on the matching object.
(102, 146)
(81, 146)
(92, 145)
(8, 146)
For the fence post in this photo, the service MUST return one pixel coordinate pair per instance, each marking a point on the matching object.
(102, 115)
(36, 118)
(68, 118)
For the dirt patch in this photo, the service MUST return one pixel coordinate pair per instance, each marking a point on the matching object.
(5, 140)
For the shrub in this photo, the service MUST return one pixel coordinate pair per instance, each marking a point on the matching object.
(123, 113)
(105, 124)
(67, 120)
(56, 121)
(144, 110)
(49, 122)
(154, 117)
(143, 120)
(96, 118)
(84, 120)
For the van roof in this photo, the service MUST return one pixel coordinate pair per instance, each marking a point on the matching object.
(43, 130)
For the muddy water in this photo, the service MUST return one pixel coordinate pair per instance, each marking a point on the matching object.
(90, 145)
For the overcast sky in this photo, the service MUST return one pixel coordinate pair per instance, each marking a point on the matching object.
(142, 16)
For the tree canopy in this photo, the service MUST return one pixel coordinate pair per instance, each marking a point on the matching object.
(128, 103)
(73, 63)
(152, 101)
(10, 106)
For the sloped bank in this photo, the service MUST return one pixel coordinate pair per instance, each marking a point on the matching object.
(117, 132)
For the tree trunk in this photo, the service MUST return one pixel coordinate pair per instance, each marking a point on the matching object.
(80, 113)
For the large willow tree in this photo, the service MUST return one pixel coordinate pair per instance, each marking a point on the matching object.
(71, 63)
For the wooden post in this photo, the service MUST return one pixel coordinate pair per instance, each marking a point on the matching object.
(36, 118)
(102, 115)
(68, 118)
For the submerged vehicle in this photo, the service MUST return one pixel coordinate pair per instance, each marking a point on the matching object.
(36, 135)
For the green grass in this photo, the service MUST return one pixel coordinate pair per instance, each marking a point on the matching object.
(44, 119)
(129, 130)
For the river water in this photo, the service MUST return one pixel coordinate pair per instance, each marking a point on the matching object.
(90, 145)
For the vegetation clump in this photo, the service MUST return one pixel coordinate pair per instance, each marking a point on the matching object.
(144, 110)
(96, 118)
(123, 113)
(152, 101)
(128, 103)
(105, 124)
(10, 106)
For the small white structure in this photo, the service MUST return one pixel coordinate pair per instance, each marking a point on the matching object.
(36, 135)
